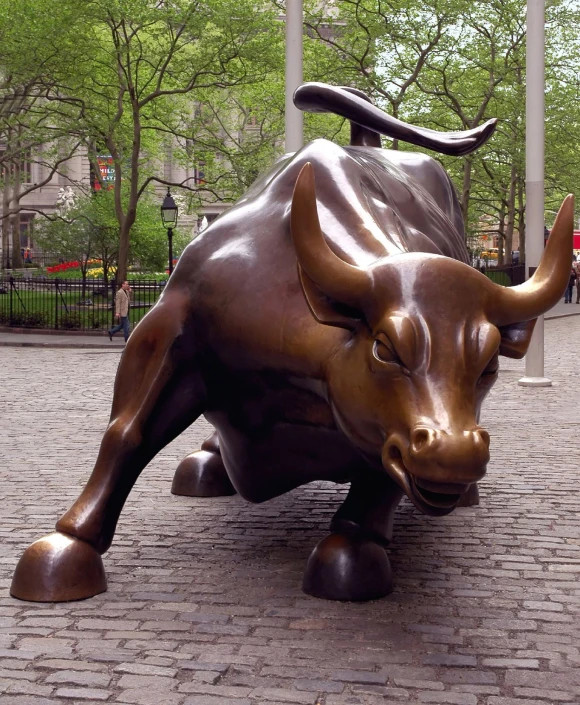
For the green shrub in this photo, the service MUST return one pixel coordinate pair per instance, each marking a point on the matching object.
(70, 321)
(97, 321)
(500, 278)
(35, 319)
(18, 319)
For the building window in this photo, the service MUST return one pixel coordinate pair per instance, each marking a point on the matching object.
(26, 230)
(8, 166)
(199, 173)
(252, 121)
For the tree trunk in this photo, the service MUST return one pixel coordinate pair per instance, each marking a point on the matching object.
(509, 236)
(127, 220)
(17, 262)
(501, 236)
(124, 242)
(15, 218)
(6, 217)
(521, 220)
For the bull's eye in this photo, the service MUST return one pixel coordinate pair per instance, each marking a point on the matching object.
(384, 352)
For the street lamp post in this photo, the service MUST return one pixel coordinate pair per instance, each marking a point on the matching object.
(294, 30)
(535, 114)
(169, 220)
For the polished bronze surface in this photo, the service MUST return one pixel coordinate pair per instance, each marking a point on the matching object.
(202, 474)
(368, 121)
(59, 568)
(330, 328)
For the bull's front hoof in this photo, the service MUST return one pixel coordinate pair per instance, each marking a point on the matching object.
(347, 568)
(469, 498)
(58, 568)
(202, 474)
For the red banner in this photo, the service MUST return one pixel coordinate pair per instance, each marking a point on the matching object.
(106, 168)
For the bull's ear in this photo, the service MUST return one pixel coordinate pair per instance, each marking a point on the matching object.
(515, 338)
(325, 309)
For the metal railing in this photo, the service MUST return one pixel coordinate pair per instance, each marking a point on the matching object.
(35, 259)
(506, 276)
(70, 304)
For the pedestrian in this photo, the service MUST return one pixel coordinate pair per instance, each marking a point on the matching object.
(570, 287)
(122, 301)
(576, 268)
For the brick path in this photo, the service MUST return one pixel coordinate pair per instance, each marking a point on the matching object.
(204, 604)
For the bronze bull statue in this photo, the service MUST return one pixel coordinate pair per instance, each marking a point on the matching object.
(330, 327)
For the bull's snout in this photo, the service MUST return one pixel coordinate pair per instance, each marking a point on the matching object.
(463, 454)
(435, 467)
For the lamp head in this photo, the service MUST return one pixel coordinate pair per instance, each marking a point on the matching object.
(169, 211)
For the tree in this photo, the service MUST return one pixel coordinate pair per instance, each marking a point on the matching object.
(37, 131)
(85, 227)
(143, 64)
(380, 46)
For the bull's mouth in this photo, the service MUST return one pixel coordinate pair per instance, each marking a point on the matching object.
(430, 498)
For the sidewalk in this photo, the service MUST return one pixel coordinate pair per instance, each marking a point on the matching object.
(562, 310)
(58, 339)
(204, 603)
(63, 339)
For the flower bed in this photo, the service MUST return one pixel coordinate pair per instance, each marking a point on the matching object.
(66, 266)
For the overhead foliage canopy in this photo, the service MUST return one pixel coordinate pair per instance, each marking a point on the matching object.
(453, 64)
(130, 78)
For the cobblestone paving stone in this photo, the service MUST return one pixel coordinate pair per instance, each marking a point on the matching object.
(204, 605)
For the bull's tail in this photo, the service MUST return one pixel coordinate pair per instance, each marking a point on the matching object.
(369, 122)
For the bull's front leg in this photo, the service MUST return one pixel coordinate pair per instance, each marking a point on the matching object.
(158, 393)
(203, 474)
(352, 563)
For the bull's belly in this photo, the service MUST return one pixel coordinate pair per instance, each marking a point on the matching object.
(264, 464)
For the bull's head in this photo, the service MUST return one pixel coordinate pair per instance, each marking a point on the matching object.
(427, 331)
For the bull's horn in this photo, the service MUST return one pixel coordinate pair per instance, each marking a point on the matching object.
(546, 286)
(341, 281)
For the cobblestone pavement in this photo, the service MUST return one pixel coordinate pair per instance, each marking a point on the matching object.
(204, 605)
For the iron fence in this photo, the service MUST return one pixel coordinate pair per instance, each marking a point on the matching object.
(506, 276)
(70, 304)
(34, 259)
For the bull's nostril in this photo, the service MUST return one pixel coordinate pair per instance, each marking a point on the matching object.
(394, 453)
(484, 435)
(421, 438)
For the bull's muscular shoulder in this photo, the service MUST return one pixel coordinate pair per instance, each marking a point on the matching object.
(424, 171)
(354, 165)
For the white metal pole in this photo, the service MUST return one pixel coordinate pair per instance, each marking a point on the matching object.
(294, 29)
(535, 87)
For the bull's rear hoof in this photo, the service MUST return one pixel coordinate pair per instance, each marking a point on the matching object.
(202, 474)
(347, 568)
(58, 568)
(469, 498)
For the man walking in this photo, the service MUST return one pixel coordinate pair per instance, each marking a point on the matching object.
(122, 301)
(576, 268)
(570, 287)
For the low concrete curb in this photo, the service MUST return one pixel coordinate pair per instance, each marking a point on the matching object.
(16, 340)
(72, 345)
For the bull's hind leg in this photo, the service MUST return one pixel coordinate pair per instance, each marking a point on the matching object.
(158, 393)
(351, 563)
(202, 474)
